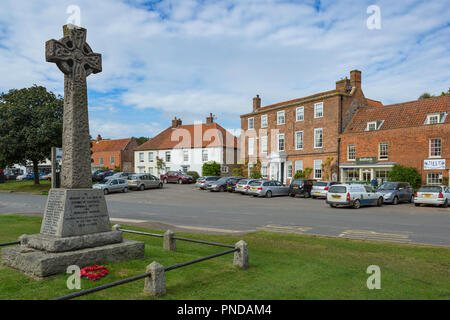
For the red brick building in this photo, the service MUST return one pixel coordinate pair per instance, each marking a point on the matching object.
(414, 134)
(342, 135)
(114, 152)
(303, 133)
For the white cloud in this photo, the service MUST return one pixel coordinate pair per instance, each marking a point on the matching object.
(194, 57)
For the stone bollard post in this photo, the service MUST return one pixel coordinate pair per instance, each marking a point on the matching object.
(155, 284)
(169, 243)
(116, 227)
(241, 256)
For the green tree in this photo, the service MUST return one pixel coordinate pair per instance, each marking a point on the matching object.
(160, 164)
(426, 95)
(406, 174)
(30, 124)
(255, 172)
(211, 168)
(141, 140)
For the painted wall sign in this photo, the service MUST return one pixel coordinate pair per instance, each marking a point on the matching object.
(366, 160)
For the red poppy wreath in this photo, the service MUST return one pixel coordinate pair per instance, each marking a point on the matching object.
(94, 272)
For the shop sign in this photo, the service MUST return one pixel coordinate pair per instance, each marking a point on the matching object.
(366, 160)
(434, 164)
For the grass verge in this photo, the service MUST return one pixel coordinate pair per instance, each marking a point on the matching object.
(27, 186)
(282, 266)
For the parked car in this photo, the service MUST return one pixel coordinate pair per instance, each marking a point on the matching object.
(435, 195)
(354, 195)
(203, 181)
(395, 192)
(142, 181)
(99, 175)
(22, 177)
(266, 188)
(176, 177)
(219, 185)
(47, 176)
(243, 185)
(231, 184)
(112, 185)
(320, 188)
(120, 175)
(302, 187)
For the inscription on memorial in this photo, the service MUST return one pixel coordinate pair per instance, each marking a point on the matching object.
(54, 212)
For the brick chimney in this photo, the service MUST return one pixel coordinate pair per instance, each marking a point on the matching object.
(343, 84)
(176, 122)
(210, 119)
(256, 102)
(355, 78)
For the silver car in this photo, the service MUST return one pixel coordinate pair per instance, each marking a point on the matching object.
(395, 192)
(320, 189)
(142, 181)
(266, 188)
(243, 186)
(202, 182)
(112, 185)
(121, 175)
(436, 195)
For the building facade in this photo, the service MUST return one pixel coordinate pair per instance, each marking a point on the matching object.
(186, 148)
(413, 134)
(113, 153)
(303, 133)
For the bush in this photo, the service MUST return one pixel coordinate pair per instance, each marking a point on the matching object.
(193, 174)
(211, 168)
(237, 172)
(305, 174)
(406, 174)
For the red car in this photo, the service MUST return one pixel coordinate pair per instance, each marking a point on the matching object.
(176, 177)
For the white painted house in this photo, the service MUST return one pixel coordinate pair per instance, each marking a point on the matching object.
(187, 148)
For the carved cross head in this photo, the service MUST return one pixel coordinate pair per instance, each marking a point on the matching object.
(72, 55)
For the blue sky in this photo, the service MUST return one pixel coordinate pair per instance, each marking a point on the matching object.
(188, 58)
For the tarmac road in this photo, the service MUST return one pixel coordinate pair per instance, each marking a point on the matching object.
(186, 207)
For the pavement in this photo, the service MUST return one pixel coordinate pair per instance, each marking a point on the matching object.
(186, 208)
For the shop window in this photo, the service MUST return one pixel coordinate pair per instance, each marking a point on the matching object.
(351, 174)
(434, 178)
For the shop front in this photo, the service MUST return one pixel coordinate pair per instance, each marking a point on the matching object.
(365, 170)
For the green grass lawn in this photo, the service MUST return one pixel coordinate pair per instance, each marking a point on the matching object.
(27, 186)
(282, 266)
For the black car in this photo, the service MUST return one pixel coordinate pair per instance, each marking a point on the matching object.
(99, 175)
(302, 187)
(220, 185)
(232, 182)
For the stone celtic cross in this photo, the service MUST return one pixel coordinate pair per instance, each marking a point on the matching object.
(75, 58)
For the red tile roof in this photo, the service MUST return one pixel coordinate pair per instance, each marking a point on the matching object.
(110, 145)
(374, 103)
(400, 115)
(183, 137)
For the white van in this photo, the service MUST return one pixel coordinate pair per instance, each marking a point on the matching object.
(354, 195)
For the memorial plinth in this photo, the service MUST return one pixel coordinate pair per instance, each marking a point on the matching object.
(75, 231)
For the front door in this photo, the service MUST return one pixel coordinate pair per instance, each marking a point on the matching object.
(282, 172)
(366, 175)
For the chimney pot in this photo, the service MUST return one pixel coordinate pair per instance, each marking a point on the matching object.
(256, 102)
(210, 119)
(355, 78)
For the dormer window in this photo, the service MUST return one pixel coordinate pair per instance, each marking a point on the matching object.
(371, 126)
(433, 118)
